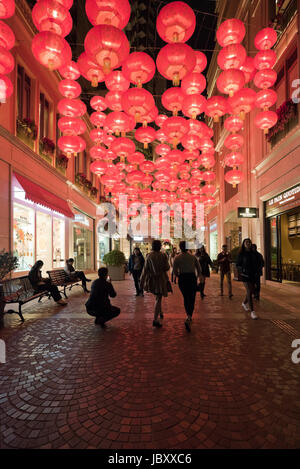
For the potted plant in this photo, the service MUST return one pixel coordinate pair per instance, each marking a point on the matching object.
(8, 263)
(62, 161)
(27, 130)
(234, 254)
(94, 192)
(115, 261)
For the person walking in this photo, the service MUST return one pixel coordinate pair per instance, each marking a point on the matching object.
(76, 274)
(248, 268)
(186, 266)
(172, 257)
(44, 284)
(98, 303)
(154, 278)
(224, 260)
(261, 263)
(135, 267)
(204, 261)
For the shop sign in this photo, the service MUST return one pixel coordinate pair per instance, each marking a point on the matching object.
(80, 218)
(285, 201)
(248, 212)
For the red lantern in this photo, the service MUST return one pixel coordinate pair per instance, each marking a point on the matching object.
(206, 145)
(7, 62)
(109, 156)
(232, 56)
(98, 119)
(175, 158)
(230, 81)
(234, 141)
(109, 180)
(97, 152)
(139, 68)
(194, 105)
(161, 136)
(209, 176)
(145, 135)
(265, 59)
(242, 102)
(90, 70)
(69, 88)
(116, 81)
(160, 119)
(265, 99)
(209, 201)
(51, 50)
(175, 61)
(233, 124)
(71, 145)
(248, 68)
(234, 177)
(176, 22)
(6, 88)
(135, 177)
(201, 61)
(175, 128)
(147, 167)
(209, 189)
(70, 71)
(191, 142)
(98, 167)
(113, 12)
(98, 103)
(136, 158)
(172, 100)
(108, 140)
(216, 107)
(162, 149)
(191, 155)
(137, 102)
(71, 126)
(71, 107)
(265, 78)
(231, 31)
(97, 135)
(7, 9)
(119, 122)
(149, 117)
(113, 100)
(108, 46)
(123, 147)
(7, 37)
(265, 120)
(207, 160)
(199, 128)
(65, 3)
(265, 39)
(193, 83)
(234, 159)
(49, 15)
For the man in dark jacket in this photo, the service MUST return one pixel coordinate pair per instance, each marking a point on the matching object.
(224, 260)
(98, 303)
(78, 274)
(135, 267)
(261, 263)
(248, 267)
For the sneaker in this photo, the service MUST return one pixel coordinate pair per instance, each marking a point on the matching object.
(62, 302)
(246, 307)
(156, 324)
(254, 315)
(187, 324)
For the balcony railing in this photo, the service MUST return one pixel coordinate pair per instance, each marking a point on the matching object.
(288, 119)
(284, 16)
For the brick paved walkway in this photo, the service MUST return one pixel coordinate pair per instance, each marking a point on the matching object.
(229, 384)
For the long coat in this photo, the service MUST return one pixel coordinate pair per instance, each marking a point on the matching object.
(154, 278)
(204, 262)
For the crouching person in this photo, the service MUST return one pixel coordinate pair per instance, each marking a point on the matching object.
(98, 304)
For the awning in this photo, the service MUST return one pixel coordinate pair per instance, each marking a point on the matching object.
(39, 195)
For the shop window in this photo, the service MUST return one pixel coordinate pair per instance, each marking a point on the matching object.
(44, 239)
(23, 236)
(58, 242)
(44, 116)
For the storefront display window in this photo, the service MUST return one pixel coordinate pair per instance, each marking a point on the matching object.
(58, 242)
(23, 234)
(83, 241)
(44, 239)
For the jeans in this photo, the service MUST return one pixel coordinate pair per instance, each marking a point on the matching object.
(228, 276)
(136, 277)
(188, 287)
(249, 292)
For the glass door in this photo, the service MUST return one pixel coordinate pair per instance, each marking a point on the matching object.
(275, 267)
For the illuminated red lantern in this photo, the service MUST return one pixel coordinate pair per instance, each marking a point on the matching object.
(147, 167)
(136, 158)
(116, 81)
(234, 159)
(234, 141)
(113, 12)
(175, 158)
(265, 78)
(98, 167)
(149, 117)
(233, 124)
(137, 102)
(135, 177)
(191, 142)
(49, 15)
(175, 61)
(191, 155)
(209, 189)
(138, 68)
(207, 160)
(206, 145)
(163, 149)
(90, 70)
(97, 152)
(265, 59)
(113, 100)
(248, 68)
(109, 180)
(98, 103)
(65, 3)
(51, 50)
(201, 61)
(209, 201)
(176, 22)
(98, 118)
(108, 139)
(265, 99)
(71, 126)
(7, 9)
(199, 128)
(7, 37)
(242, 102)
(160, 119)
(193, 83)
(69, 88)
(71, 107)
(6, 88)
(265, 39)
(123, 147)
(265, 120)
(194, 105)
(109, 156)
(175, 128)
(230, 81)
(172, 100)
(234, 177)
(70, 71)
(145, 135)
(7, 62)
(71, 145)
(209, 176)
(231, 31)
(216, 106)
(119, 122)
(232, 56)
(108, 46)
(161, 136)
(97, 135)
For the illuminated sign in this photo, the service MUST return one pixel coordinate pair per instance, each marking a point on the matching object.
(287, 200)
(248, 212)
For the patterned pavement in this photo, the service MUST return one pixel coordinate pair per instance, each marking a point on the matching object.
(230, 383)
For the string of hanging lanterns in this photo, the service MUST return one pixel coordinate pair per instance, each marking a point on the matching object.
(7, 42)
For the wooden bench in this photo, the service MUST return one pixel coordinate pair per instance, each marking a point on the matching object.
(61, 279)
(19, 290)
